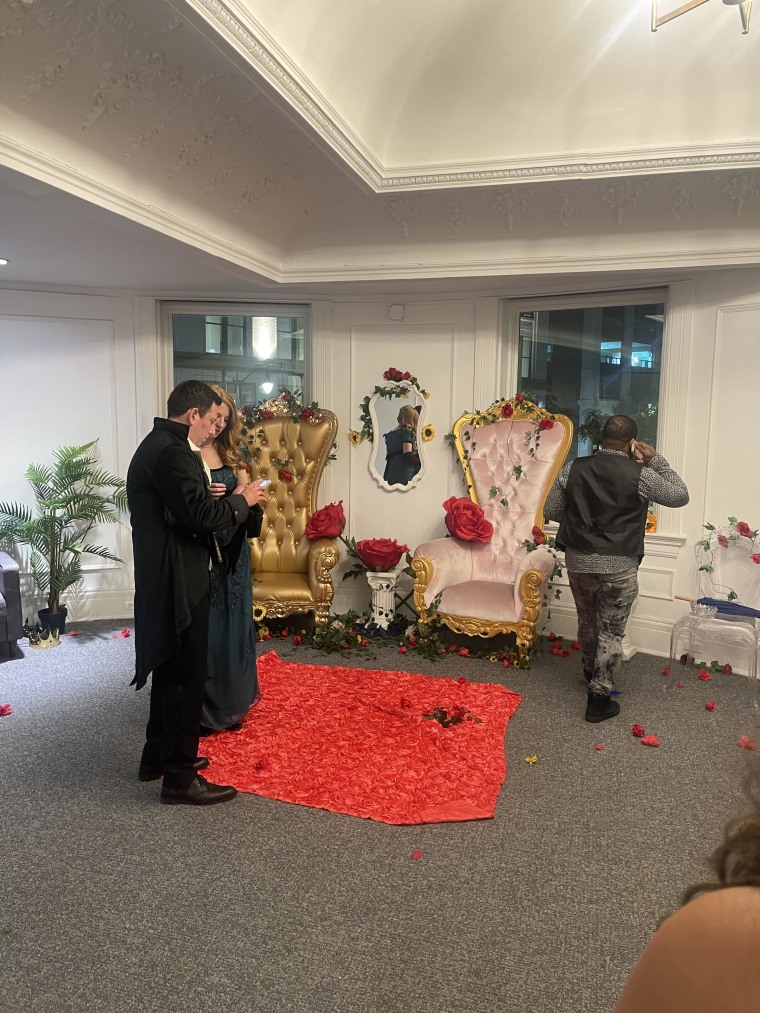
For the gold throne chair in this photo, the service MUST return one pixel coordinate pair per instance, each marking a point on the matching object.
(482, 589)
(291, 573)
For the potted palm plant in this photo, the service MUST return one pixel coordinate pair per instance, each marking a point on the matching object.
(72, 496)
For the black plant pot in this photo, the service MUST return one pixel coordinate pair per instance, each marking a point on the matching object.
(54, 620)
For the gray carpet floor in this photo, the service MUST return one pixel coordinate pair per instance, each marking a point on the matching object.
(112, 902)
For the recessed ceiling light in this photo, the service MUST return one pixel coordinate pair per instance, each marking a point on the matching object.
(3, 262)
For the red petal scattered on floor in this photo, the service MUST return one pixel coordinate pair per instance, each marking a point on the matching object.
(5, 710)
(416, 855)
(710, 705)
(637, 731)
(650, 740)
(704, 675)
(599, 748)
(747, 743)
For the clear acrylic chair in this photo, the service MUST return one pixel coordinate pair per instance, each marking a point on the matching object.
(726, 573)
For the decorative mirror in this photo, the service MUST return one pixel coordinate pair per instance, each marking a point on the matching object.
(397, 461)
(393, 422)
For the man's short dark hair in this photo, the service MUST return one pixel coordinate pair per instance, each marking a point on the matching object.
(191, 394)
(620, 428)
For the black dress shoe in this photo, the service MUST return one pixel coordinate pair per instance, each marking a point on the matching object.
(198, 792)
(600, 707)
(151, 774)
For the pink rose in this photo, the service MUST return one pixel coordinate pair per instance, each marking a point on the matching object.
(465, 520)
(327, 522)
(723, 541)
(755, 557)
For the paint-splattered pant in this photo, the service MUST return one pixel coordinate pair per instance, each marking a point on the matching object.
(603, 602)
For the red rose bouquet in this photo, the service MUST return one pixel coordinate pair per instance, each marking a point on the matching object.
(465, 520)
(380, 554)
(327, 522)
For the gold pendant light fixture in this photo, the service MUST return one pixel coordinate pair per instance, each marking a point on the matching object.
(745, 7)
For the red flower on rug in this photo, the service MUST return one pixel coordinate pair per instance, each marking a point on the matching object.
(334, 739)
(637, 731)
(416, 854)
(5, 710)
(704, 675)
(747, 743)
(650, 740)
(710, 705)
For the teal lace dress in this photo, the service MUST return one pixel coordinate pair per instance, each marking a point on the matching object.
(232, 685)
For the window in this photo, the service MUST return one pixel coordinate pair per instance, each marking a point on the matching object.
(591, 357)
(252, 352)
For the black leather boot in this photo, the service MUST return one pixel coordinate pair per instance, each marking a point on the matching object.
(601, 707)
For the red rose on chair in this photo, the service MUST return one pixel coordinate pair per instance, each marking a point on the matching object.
(722, 541)
(507, 411)
(743, 529)
(546, 424)
(285, 475)
(327, 522)
(465, 520)
(380, 554)
(266, 414)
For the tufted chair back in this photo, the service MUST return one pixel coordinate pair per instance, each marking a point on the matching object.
(289, 444)
(493, 457)
(510, 454)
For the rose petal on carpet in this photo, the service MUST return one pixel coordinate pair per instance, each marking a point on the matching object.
(355, 741)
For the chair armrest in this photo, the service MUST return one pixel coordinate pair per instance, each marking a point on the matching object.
(323, 555)
(540, 561)
(450, 561)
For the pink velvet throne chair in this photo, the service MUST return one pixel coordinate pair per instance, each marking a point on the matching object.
(510, 454)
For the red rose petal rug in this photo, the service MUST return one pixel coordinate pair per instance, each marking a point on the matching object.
(354, 741)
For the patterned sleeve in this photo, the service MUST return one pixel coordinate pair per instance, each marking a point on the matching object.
(658, 483)
(555, 501)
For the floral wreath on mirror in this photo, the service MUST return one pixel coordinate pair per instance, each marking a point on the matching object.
(397, 388)
(735, 531)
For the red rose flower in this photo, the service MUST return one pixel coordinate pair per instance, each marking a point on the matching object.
(546, 424)
(465, 520)
(380, 554)
(723, 541)
(287, 397)
(755, 557)
(416, 855)
(327, 522)
(285, 475)
(727, 670)
(464, 651)
(5, 710)
(307, 413)
(710, 705)
(704, 675)
(575, 645)
(284, 634)
(266, 414)
(402, 650)
(406, 376)
(637, 731)
(297, 640)
(519, 397)
(742, 528)
(539, 539)
(505, 662)
(666, 670)
(507, 411)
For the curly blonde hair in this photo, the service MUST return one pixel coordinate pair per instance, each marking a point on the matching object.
(228, 442)
(408, 418)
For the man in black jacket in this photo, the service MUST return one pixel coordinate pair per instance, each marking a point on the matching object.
(173, 519)
(601, 505)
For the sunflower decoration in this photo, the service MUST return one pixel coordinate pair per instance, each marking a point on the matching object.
(427, 433)
(355, 437)
(258, 613)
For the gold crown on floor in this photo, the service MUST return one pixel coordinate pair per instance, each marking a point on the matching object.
(39, 637)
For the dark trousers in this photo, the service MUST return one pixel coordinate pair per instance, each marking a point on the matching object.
(603, 602)
(176, 699)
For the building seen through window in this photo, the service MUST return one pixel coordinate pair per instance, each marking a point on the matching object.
(252, 355)
(590, 362)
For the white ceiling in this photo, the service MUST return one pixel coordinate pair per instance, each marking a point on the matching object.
(233, 146)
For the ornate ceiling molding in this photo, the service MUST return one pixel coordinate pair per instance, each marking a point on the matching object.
(260, 52)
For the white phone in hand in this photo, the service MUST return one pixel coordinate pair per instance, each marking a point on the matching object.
(265, 483)
(636, 453)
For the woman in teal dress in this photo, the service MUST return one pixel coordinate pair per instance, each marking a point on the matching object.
(232, 686)
(402, 459)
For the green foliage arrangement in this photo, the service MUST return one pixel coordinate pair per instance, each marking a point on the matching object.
(72, 496)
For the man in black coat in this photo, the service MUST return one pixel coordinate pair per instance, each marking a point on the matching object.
(173, 520)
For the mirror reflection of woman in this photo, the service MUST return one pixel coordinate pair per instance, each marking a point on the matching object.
(402, 459)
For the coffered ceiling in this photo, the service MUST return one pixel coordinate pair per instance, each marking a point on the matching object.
(339, 142)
